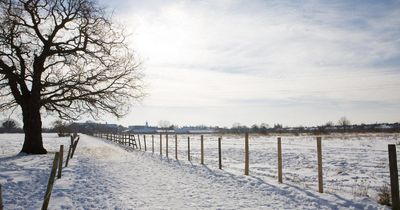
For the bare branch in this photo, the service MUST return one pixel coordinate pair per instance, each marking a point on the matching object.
(68, 56)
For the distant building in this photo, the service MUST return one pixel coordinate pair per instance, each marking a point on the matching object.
(194, 130)
(142, 128)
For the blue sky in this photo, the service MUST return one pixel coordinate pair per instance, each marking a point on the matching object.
(291, 62)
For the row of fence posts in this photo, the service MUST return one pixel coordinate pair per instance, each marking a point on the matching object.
(392, 160)
(57, 164)
(117, 138)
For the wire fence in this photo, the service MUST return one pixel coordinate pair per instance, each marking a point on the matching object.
(352, 167)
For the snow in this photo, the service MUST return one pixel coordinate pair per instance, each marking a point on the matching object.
(104, 175)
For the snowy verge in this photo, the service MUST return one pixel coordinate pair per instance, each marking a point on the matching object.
(103, 175)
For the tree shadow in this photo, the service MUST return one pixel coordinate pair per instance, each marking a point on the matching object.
(13, 157)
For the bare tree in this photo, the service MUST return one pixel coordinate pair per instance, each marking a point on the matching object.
(344, 122)
(329, 124)
(65, 57)
(61, 127)
(9, 124)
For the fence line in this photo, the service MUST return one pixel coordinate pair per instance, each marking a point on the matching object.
(246, 160)
(50, 183)
(57, 164)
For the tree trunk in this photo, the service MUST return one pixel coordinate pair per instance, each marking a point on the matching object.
(33, 143)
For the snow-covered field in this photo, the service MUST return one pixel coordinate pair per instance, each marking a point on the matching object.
(104, 175)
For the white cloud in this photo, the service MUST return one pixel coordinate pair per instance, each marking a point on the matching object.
(204, 56)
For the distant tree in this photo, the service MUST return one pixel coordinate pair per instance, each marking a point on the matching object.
(9, 124)
(235, 127)
(66, 57)
(255, 128)
(329, 124)
(171, 127)
(344, 123)
(120, 128)
(264, 128)
(238, 128)
(61, 127)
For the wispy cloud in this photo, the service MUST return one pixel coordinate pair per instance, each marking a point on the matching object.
(298, 55)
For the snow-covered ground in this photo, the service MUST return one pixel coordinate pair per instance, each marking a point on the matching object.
(104, 175)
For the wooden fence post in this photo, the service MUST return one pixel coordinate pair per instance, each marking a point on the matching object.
(50, 183)
(394, 177)
(140, 145)
(320, 175)
(201, 149)
(145, 144)
(69, 155)
(246, 154)
(188, 148)
(72, 140)
(176, 147)
(1, 200)
(152, 144)
(279, 160)
(160, 144)
(60, 162)
(166, 145)
(74, 148)
(130, 140)
(219, 153)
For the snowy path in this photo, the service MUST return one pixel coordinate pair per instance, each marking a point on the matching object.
(103, 175)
